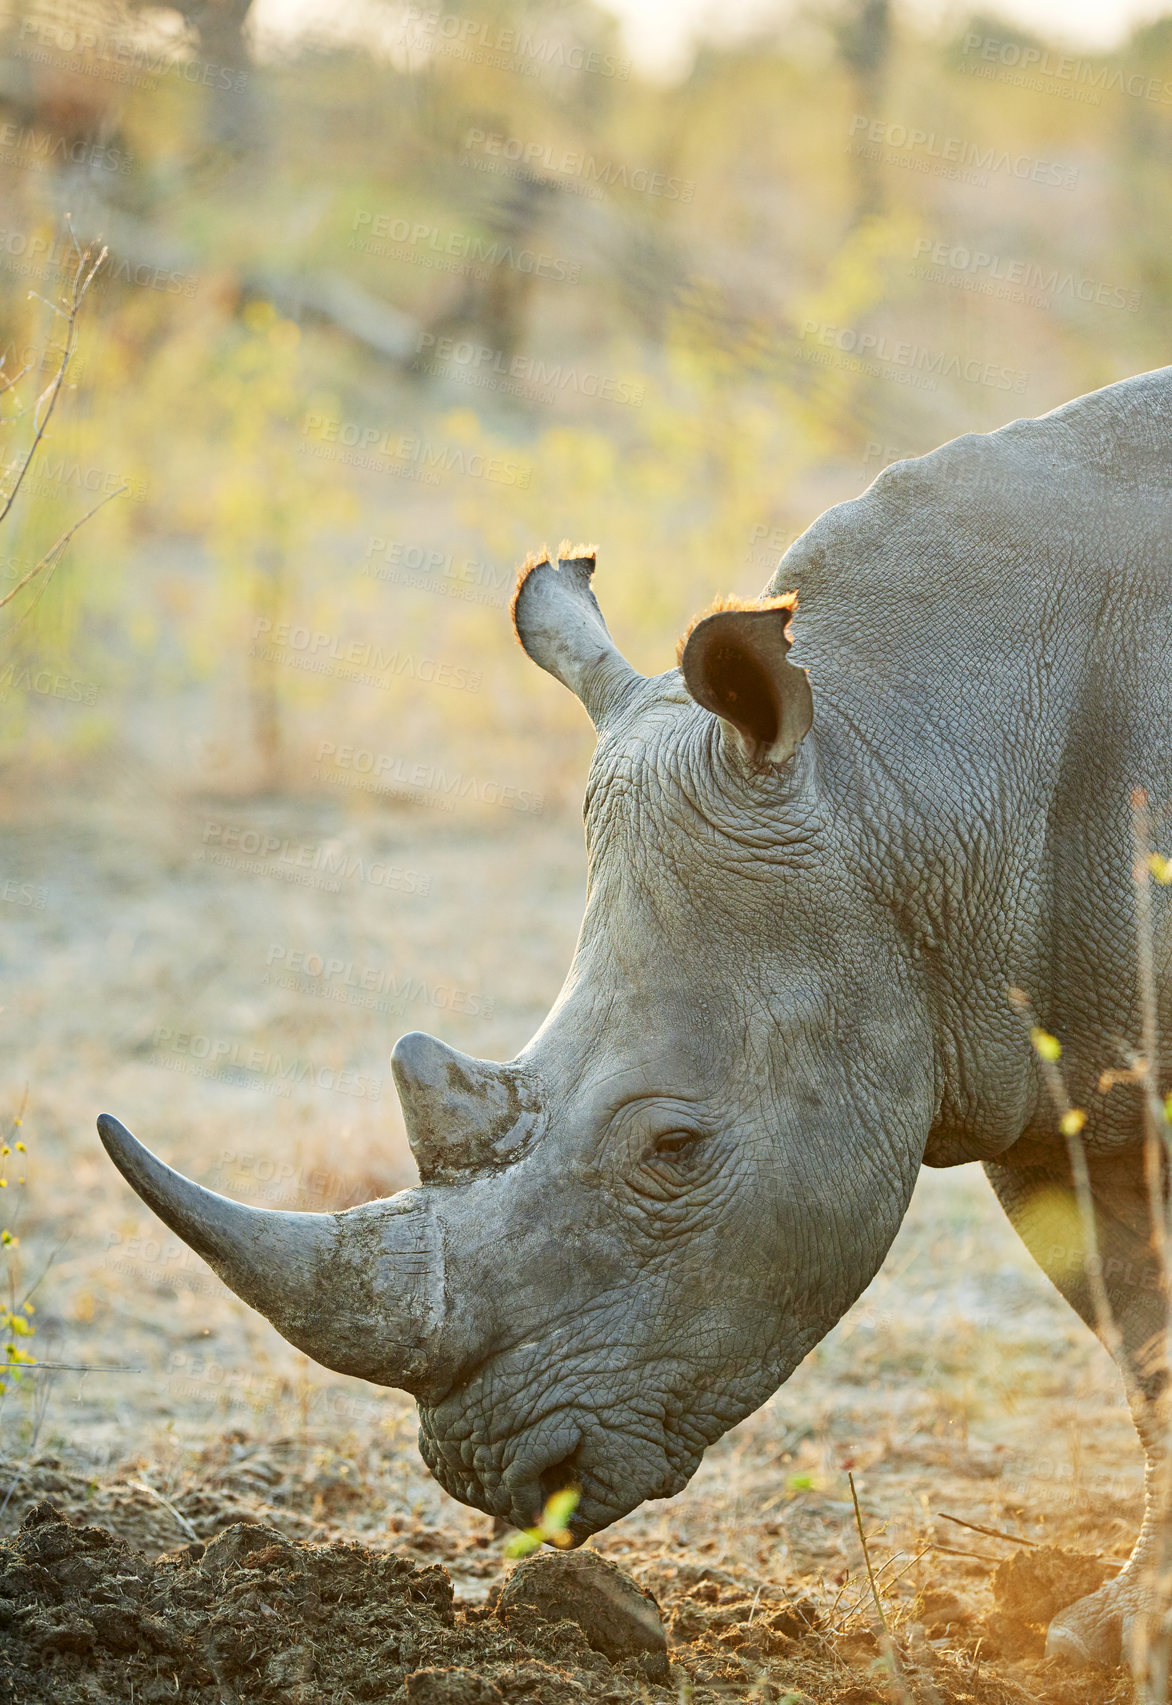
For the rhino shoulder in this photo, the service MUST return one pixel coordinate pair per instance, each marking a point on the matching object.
(987, 498)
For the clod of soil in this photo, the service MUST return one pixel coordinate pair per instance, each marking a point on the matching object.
(1035, 1585)
(618, 1618)
(259, 1617)
(1030, 1588)
(451, 1687)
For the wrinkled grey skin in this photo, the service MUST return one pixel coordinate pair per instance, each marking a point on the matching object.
(790, 989)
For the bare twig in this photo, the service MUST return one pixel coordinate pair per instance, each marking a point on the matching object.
(989, 1532)
(855, 1608)
(887, 1643)
(1012, 1539)
(47, 401)
(144, 1486)
(916, 1559)
(1151, 1653)
(7, 381)
(31, 1290)
(1068, 1124)
(68, 310)
(954, 1551)
(51, 556)
(867, 1556)
(84, 1367)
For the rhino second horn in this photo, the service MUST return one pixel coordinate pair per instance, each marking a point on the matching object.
(559, 623)
(359, 1291)
(462, 1114)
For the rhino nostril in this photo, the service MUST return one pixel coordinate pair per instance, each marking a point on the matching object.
(559, 1477)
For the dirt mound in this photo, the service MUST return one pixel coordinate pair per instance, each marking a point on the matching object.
(257, 1616)
(142, 1515)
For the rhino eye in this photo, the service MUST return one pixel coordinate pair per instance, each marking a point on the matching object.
(675, 1142)
(669, 1166)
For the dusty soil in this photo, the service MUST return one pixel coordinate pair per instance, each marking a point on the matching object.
(258, 1616)
(960, 1386)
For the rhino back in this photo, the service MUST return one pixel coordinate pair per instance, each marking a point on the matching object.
(988, 631)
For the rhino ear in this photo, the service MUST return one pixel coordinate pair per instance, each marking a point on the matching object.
(733, 660)
(557, 620)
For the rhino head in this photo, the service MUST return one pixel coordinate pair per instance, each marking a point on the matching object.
(626, 1238)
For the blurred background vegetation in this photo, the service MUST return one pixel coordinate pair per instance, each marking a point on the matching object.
(546, 296)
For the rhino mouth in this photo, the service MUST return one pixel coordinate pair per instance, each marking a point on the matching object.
(612, 1469)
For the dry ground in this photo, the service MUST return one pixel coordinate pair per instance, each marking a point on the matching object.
(142, 939)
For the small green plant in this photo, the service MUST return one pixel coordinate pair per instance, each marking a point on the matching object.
(552, 1529)
(15, 1315)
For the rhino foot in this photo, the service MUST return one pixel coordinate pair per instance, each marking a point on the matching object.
(1097, 1629)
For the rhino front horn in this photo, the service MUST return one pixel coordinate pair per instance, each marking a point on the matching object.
(360, 1291)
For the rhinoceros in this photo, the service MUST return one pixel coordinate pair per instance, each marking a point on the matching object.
(813, 881)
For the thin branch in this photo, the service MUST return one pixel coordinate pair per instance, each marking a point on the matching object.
(80, 289)
(1105, 1323)
(49, 560)
(7, 383)
(919, 1556)
(73, 1367)
(1151, 1646)
(888, 1644)
(989, 1532)
(867, 1556)
(42, 1274)
(954, 1551)
(144, 1486)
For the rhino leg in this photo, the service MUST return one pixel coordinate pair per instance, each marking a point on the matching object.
(1040, 1203)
